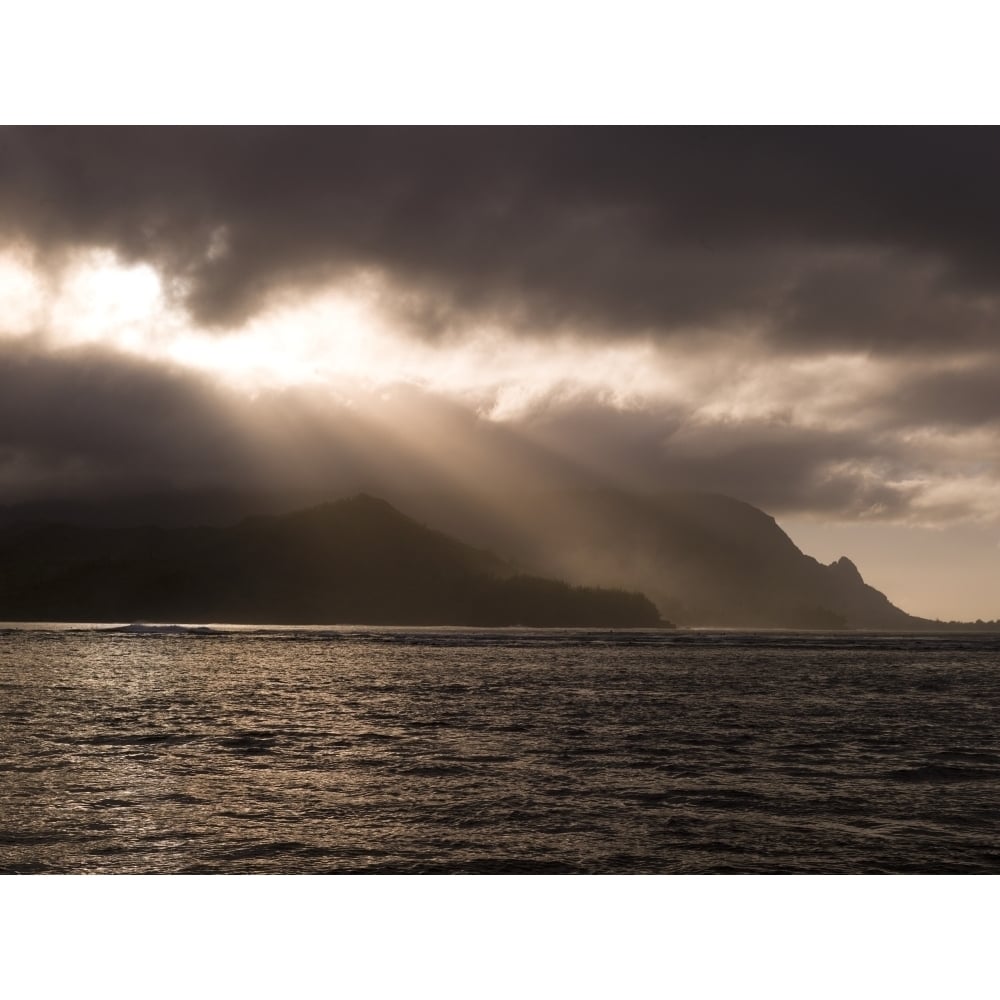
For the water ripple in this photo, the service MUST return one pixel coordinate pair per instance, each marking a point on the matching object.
(500, 751)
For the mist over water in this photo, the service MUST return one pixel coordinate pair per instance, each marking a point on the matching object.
(292, 750)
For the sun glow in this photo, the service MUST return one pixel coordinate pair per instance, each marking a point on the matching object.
(98, 299)
(337, 337)
(22, 293)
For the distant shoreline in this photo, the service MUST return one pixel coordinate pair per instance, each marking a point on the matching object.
(214, 627)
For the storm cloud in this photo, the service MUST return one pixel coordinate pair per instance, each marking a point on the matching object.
(89, 421)
(880, 239)
(805, 318)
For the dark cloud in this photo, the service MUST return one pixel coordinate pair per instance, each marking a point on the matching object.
(881, 302)
(734, 246)
(773, 464)
(965, 398)
(91, 420)
(875, 239)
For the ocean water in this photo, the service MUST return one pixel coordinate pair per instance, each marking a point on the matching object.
(242, 750)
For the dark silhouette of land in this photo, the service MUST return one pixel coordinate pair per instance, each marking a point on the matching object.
(703, 559)
(356, 561)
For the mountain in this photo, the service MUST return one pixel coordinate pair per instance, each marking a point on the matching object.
(704, 559)
(355, 561)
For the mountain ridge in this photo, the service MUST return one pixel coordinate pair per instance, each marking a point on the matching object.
(353, 561)
(704, 559)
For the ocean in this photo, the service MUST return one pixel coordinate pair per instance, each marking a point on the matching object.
(238, 749)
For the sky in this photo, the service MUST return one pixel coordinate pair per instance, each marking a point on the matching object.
(802, 318)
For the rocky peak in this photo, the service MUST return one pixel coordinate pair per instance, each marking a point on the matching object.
(846, 570)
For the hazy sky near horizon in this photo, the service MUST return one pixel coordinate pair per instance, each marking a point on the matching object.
(806, 319)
